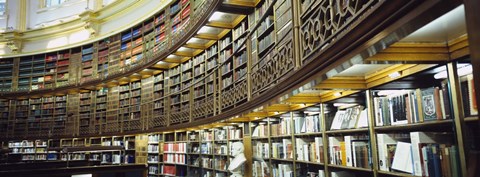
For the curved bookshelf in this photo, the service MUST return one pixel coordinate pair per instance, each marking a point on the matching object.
(53, 61)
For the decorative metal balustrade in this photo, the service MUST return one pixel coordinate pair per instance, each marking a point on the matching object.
(324, 22)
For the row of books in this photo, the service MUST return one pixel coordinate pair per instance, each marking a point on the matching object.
(352, 151)
(283, 149)
(310, 150)
(175, 158)
(349, 118)
(307, 124)
(175, 147)
(419, 153)
(411, 106)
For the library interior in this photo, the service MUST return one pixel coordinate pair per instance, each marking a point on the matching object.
(234, 88)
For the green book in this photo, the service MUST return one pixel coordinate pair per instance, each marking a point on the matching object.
(428, 104)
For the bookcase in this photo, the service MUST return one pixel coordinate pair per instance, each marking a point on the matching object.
(196, 152)
(97, 150)
(101, 96)
(159, 89)
(85, 112)
(6, 67)
(154, 158)
(342, 133)
(103, 58)
(5, 114)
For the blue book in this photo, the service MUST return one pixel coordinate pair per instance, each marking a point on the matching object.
(430, 159)
(436, 161)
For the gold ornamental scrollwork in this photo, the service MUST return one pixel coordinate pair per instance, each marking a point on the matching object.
(325, 21)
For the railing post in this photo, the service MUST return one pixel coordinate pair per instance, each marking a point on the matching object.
(296, 34)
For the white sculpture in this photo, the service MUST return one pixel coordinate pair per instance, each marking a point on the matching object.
(236, 165)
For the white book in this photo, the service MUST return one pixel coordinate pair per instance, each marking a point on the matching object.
(255, 131)
(299, 142)
(414, 105)
(363, 119)
(348, 150)
(354, 115)
(402, 160)
(318, 145)
(442, 103)
(383, 140)
(321, 173)
(332, 142)
(306, 152)
(337, 120)
(378, 111)
(287, 144)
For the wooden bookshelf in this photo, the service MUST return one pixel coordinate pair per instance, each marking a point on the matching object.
(241, 63)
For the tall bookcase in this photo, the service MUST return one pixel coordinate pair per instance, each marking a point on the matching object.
(6, 81)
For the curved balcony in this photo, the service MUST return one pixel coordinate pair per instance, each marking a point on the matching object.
(171, 42)
(251, 71)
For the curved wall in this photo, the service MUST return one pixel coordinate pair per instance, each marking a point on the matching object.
(80, 22)
(281, 68)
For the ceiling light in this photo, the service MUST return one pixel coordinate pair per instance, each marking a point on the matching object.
(394, 75)
(463, 69)
(204, 29)
(344, 104)
(216, 16)
(183, 49)
(337, 94)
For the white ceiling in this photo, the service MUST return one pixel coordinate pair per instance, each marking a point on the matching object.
(446, 28)
(362, 69)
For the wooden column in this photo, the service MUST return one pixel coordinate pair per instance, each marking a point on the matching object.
(472, 17)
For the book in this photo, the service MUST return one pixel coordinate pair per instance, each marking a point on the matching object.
(383, 142)
(419, 138)
(288, 149)
(319, 150)
(348, 151)
(472, 102)
(429, 104)
(360, 153)
(299, 145)
(337, 120)
(403, 157)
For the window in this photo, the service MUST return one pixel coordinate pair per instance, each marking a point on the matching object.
(3, 7)
(50, 3)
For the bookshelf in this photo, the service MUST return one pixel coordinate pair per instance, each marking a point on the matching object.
(100, 115)
(154, 158)
(5, 114)
(89, 60)
(243, 64)
(85, 113)
(98, 150)
(6, 68)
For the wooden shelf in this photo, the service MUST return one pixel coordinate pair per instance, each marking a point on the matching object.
(350, 168)
(442, 124)
(347, 131)
(383, 173)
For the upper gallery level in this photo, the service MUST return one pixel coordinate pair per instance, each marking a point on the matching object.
(142, 44)
(211, 60)
(35, 26)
